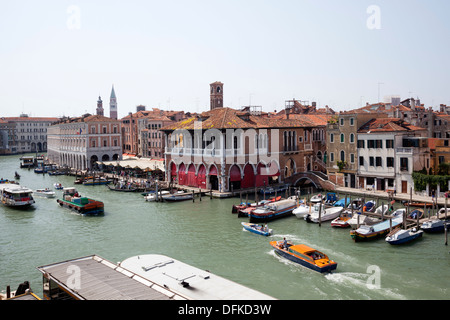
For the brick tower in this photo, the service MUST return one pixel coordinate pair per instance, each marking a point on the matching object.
(216, 97)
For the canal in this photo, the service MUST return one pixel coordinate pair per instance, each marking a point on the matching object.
(206, 235)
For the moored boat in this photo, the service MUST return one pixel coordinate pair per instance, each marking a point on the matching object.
(273, 211)
(416, 214)
(183, 196)
(152, 196)
(370, 232)
(326, 214)
(342, 202)
(302, 210)
(400, 236)
(304, 255)
(435, 226)
(96, 181)
(58, 186)
(14, 195)
(82, 205)
(256, 228)
(317, 198)
(244, 205)
(417, 204)
(342, 220)
(45, 193)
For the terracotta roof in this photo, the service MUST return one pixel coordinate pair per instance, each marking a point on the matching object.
(227, 118)
(30, 119)
(387, 125)
(90, 118)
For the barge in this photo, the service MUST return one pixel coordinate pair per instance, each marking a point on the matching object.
(82, 205)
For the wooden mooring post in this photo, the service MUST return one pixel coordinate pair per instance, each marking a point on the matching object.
(445, 222)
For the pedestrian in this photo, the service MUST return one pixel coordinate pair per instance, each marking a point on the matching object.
(432, 195)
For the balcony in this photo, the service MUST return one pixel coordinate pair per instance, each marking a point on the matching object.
(405, 150)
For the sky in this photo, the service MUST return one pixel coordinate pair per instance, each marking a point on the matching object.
(57, 57)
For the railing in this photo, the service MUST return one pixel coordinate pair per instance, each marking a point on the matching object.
(405, 150)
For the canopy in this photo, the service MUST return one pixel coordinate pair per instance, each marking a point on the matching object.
(143, 164)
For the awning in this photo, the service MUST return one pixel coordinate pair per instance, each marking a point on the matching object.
(143, 164)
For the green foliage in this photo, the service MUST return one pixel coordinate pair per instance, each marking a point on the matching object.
(341, 165)
(421, 180)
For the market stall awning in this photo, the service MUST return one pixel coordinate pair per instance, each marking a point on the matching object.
(143, 164)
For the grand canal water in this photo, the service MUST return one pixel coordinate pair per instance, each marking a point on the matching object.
(205, 234)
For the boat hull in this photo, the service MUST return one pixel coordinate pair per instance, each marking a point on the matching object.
(251, 228)
(408, 239)
(94, 207)
(271, 215)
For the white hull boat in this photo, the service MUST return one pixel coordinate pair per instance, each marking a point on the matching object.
(326, 214)
(363, 220)
(404, 236)
(152, 196)
(317, 198)
(302, 210)
(47, 193)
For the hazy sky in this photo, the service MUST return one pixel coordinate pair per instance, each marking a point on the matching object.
(57, 57)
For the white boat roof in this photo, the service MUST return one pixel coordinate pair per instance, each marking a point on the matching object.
(14, 188)
(202, 285)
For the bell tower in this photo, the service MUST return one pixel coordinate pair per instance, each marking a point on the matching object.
(113, 105)
(216, 95)
(99, 106)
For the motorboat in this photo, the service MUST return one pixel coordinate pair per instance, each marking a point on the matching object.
(331, 198)
(175, 197)
(273, 211)
(326, 214)
(14, 195)
(244, 205)
(342, 220)
(304, 255)
(416, 214)
(383, 209)
(58, 186)
(273, 190)
(363, 220)
(400, 236)
(370, 232)
(369, 206)
(435, 226)
(317, 198)
(85, 206)
(302, 210)
(97, 181)
(342, 202)
(256, 228)
(442, 211)
(152, 196)
(45, 193)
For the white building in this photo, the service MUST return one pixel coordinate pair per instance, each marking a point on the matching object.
(389, 150)
(80, 142)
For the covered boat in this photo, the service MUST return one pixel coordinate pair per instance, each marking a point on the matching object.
(369, 206)
(400, 236)
(302, 210)
(96, 181)
(152, 196)
(183, 196)
(331, 198)
(14, 195)
(416, 214)
(82, 205)
(304, 255)
(366, 232)
(363, 220)
(273, 211)
(256, 228)
(326, 214)
(45, 193)
(435, 226)
(342, 202)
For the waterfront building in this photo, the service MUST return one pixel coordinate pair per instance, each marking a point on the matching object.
(24, 134)
(80, 142)
(226, 149)
(151, 140)
(389, 150)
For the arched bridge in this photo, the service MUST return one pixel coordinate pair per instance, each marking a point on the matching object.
(318, 181)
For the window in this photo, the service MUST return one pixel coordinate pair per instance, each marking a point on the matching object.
(352, 121)
(390, 162)
(403, 164)
(389, 144)
(361, 161)
(361, 143)
(378, 161)
(331, 156)
(352, 138)
(378, 144)
(352, 158)
(341, 121)
(93, 143)
(331, 137)
(370, 144)
(342, 138)
(342, 155)
(371, 161)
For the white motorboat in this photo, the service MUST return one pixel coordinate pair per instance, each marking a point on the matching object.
(302, 210)
(58, 186)
(45, 193)
(317, 198)
(326, 214)
(152, 196)
(403, 236)
(14, 195)
(383, 209)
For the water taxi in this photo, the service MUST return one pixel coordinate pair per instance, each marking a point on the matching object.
(256, 228)
(304, 255)
(13, 195)
(82, 205)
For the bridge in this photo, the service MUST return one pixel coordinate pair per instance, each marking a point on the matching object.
(317, 179)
